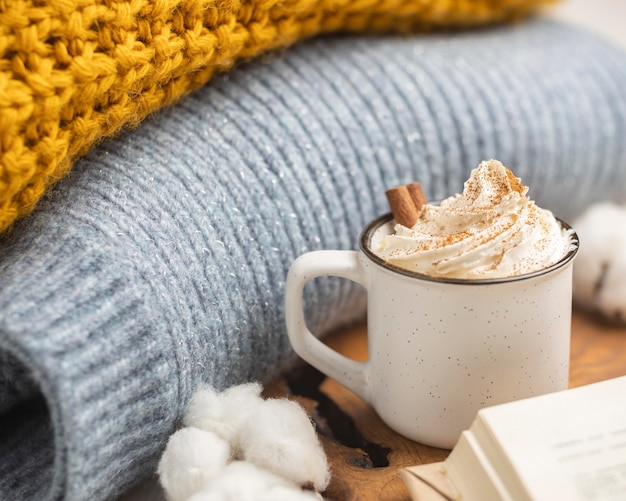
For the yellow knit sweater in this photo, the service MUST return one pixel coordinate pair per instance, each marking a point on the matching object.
(74, 71)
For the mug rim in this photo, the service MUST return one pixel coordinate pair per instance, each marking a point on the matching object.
(368, 232)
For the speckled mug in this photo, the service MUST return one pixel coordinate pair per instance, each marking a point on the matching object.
(440, 349)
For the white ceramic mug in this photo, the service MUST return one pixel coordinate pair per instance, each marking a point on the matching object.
(440, 349)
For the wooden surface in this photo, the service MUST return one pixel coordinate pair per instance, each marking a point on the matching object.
(365, 455)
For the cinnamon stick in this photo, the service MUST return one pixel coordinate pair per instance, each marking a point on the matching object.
(406, 202)
(417, 195)
(402, 206)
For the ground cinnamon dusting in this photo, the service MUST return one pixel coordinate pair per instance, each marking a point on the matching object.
(501, 186)
(515, 182)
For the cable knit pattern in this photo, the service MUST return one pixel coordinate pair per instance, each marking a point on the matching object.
(160, 261)
(74, 71)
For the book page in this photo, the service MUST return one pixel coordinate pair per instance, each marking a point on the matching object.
(566, 445)
(426, 482)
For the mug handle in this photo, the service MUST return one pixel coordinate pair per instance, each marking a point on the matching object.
(345, 264)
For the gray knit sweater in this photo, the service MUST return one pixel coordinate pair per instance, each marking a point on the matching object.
(160, 261)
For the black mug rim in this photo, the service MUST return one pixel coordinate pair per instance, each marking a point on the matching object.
(368, 232)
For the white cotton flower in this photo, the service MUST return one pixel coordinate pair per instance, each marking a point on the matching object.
(274, 438)
(600, 267)
(191, 459)
(243, 481)
(281, 439)
(223, 412)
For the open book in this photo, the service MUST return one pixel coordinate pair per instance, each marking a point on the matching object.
(565, 445)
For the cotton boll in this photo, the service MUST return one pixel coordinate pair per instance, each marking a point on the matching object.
(223, 412)
(600, 267)
(276, 435)
(191, 458)
(288, 493)
(243, 481)
(239, 481)
(281, 439)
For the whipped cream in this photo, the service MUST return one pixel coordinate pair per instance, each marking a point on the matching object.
(491, 230)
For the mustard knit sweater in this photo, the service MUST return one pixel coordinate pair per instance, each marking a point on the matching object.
(74, 71)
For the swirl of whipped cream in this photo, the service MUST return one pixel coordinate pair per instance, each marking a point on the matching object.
(491, 230)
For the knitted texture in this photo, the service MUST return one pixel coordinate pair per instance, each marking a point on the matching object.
(160, 261)
(74, 71)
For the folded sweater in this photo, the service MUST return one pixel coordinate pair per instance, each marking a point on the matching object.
(160, 261)
(74, 71)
